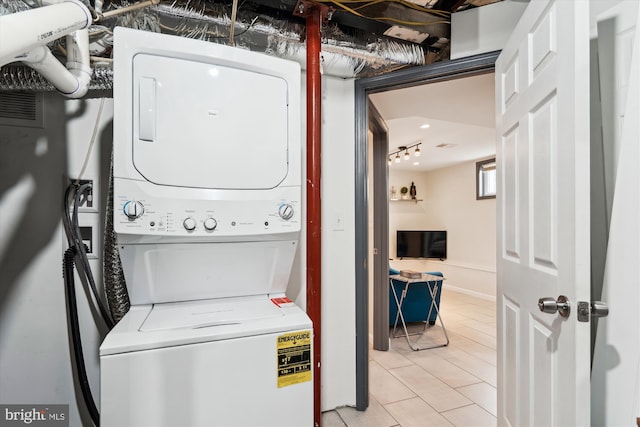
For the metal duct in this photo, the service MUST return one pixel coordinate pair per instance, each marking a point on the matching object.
(343, 55)
(18, 77)
(286, 40)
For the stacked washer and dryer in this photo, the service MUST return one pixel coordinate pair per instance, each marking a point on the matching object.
(207, 202)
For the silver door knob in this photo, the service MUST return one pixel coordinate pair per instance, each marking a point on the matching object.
(551, 306)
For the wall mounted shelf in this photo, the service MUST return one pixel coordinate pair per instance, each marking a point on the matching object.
(405, 200)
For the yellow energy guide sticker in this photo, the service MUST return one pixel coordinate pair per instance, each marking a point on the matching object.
(294, 358)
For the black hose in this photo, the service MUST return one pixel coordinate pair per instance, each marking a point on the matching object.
(74, 326)
(74, 238)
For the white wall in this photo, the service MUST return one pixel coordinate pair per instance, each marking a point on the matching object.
(615, 379)
(484, 29)
(338, 234)
(449, 203)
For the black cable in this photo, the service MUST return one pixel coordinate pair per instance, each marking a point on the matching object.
(74, 326)
(74, 238)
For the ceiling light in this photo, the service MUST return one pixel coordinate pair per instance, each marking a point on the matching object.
(425, 126)
(404, 150)
(416, 163)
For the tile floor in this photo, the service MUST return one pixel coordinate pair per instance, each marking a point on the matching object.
(446, 386)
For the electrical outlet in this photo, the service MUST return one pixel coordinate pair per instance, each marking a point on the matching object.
(88, 200)
(87, 238)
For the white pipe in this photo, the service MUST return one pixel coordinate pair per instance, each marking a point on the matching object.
(21, 32)
(24, 36)
(78, 61)
(42, 60)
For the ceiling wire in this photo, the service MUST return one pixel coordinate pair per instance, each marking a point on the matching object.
(405, 3)
(381, 18)
(232, 26)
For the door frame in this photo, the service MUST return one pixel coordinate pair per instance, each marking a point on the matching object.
(441, 71)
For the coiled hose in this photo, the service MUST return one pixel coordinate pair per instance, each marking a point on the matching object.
(74, 326)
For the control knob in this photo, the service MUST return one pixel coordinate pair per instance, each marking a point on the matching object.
(285, 211)
(189, 224)
(133, 209)
(210, 224)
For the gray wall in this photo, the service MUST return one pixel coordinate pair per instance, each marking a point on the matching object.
(35, 364)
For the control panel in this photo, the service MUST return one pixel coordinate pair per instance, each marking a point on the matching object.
(137, 212)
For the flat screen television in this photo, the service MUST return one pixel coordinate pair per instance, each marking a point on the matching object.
(421, 244)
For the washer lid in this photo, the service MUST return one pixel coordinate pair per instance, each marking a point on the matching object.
(149, 327)
(202, 314)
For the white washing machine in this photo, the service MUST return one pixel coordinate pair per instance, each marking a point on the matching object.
(207, 202)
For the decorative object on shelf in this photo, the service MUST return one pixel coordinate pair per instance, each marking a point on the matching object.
(412, 191)
(406, 155)
(394, 193)
(404, 191)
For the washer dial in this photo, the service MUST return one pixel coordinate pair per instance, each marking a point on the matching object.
(285, 211)
(189, 224)
(133, 209)
(210, 224)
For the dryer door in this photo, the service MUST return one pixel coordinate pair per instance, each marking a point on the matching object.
(206, 125)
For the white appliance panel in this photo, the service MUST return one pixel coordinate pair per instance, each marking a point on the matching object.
(157, 273)
(129, 130)
(207, 125)
(219, 383)
(224, 375)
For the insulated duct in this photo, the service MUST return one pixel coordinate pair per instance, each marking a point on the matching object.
(114, 282)
(342, 55)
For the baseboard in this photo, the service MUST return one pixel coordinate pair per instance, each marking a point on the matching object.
(470, 292)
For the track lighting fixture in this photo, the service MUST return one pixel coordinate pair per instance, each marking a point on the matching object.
(406, 154)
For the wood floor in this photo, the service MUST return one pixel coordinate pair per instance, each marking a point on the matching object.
(446, 386)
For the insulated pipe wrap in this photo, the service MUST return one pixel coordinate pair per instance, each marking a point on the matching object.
(342, 55)
(18, 77)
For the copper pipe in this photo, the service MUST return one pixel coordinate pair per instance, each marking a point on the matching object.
(314, 207)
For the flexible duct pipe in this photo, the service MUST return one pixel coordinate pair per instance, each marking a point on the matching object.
(314, 205)
(112, 273)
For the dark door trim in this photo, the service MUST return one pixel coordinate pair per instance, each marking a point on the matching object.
(441, 71)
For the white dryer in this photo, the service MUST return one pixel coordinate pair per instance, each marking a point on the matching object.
(207, 202)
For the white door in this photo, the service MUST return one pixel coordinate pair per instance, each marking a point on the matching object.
(542, 108)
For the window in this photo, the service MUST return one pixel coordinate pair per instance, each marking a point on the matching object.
(486, 179)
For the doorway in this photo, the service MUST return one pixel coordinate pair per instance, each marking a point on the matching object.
(469, 66)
